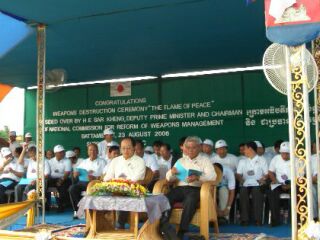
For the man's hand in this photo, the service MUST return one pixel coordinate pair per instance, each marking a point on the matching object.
(25, 146)
(285, 187)
(262, 181)
(226, 211)
(91, 177)
(174, 171)
(60, 181)
(192, 178)
(33, 182)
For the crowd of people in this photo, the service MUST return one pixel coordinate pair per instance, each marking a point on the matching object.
(251, 175)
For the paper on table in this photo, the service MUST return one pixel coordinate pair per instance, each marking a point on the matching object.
(273, 186)
(182, 172)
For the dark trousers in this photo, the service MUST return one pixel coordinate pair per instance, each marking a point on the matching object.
(63, 198)
(19, 189)
(3, 189)
(274, 200)
(75, 193)
(257, 203)
(190, 197)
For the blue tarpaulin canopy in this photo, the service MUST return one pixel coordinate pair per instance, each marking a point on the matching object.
(96, 40)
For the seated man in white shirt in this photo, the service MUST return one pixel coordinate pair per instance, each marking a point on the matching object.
(156, 149)
(223, 157)
(59, 177)
(127, 166)
(166, 161)
(226, 191)
(150, 161)
(251, 173)
(30, 181)
(188, 189)
(280, 175)
(88, 170)
(10, 172)
(113, 152)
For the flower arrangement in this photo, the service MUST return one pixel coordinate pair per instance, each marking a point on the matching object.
(118, 187)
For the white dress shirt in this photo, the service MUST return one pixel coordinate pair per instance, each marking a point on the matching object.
(252, 170)
(14, 165)
(151, 162)
(133, 169)
(280, 168)
(201, 163)
(58, 168)
(164, 166)
(228, 179)
(96, 166)
(13, 146)
(229, 160)
(102, 148)
(32, 168)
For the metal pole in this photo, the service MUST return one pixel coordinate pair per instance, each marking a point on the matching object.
(41, 44)
(307, 133)
(294, 230)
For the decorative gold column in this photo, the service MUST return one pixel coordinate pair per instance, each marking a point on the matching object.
(41, 43)
(316, 54)
(299, 134)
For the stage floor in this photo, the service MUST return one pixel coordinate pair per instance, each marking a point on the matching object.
(65, 219)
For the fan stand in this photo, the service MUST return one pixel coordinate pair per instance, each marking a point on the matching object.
(299, 136)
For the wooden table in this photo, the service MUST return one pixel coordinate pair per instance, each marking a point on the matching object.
(101, 223)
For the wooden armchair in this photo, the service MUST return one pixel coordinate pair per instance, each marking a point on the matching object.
(207, 209)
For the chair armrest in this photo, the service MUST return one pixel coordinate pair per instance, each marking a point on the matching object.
(161, 186)
(206, 190)
(90, 184)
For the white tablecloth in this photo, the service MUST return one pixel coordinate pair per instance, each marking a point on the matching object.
(153, 205)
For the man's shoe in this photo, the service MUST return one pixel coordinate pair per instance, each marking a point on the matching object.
(167, 232)
(244, 223)
(180, 235)
(75, 215)
(258, 223)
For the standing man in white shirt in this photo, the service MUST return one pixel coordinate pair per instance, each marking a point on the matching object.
(10, 172)
(280, 175)
(223, 157)
(93, 167)
(207, 148)
(60, 177)
(13, 144)
(103, 145)
(188, 189)
(252, 172)
(127, 166)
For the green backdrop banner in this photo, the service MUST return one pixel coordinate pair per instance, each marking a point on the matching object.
(235, 107)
